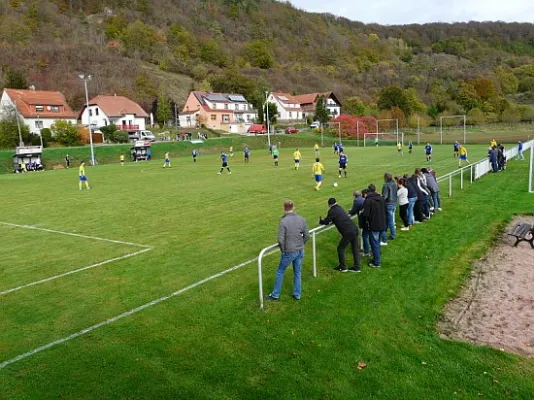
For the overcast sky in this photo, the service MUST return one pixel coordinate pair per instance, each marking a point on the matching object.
(420, 11)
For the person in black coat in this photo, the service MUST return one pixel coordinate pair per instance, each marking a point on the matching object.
(349, 235)
(374, 211)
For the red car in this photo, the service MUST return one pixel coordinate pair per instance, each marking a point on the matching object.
(257, 129)
(291, 130)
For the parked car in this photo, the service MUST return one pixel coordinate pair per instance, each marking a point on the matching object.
(291, 130)
(257, 129)
(142, 135)
(315, 125)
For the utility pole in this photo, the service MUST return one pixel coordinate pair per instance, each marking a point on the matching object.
(85, 79)
(267, 120)
(21, 143)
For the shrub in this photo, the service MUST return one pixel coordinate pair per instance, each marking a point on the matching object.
(65, 133)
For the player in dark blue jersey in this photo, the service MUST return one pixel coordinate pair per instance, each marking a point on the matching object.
(456, 149)
(343, 160)
(428, 152)
(246, 152)
(194, 153)
(410, 147)
(224, 161)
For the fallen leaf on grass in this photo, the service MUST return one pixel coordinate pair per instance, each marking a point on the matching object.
(361, 365)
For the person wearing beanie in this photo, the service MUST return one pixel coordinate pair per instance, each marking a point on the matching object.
(349, 235)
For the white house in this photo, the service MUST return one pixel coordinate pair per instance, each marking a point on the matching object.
(36, 108)
(120, 111)
(224, 111)
(299, 107)
(289, 109)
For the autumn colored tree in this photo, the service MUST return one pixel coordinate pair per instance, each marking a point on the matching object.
(484, 88)
(468, 97)
(258, 53)
(65, 133)
(321, 113)
(354, 106)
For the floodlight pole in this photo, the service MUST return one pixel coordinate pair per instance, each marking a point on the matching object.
(358, 133)
(85, 79)
(465, 133)
(21, 143)
(267, 119)
(418, 130)
(440, 130)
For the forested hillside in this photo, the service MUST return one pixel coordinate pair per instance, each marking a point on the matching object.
(161, 49)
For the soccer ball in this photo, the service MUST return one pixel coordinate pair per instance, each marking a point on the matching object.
(335, 184)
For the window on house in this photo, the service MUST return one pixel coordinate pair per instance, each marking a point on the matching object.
(290, 114)
(55, 109)
(39, 124)
(96, 111)
(90, 113)
(226, 106)
(214, 106)
(213, 117)
(39, 108)
(226, 118)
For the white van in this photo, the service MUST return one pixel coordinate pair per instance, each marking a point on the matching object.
(315, 125)
(147, 135)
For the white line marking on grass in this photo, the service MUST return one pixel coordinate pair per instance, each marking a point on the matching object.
(126, 314)
(75, 271)
(72, 234)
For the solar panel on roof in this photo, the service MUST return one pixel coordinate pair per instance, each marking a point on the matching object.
(215, 97)
(236, 97)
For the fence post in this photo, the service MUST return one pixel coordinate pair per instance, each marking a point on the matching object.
(314, 251)
(471, 177)
(450, 185)
(462, 179)
(260, 280)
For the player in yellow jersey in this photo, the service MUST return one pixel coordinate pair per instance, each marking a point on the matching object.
(297, 157)
(318, 171)
(82, 176)
(399, 149)
(122, 160)
(167, 162)
(493, 143)
(316, 149)
(463, 156)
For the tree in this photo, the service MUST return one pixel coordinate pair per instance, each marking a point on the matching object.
(476, 116)
(163, 110)
(258, 53)
(526, 85)
(415, 104)
(205, 86)
(15, 79)
(139, 37)
(507, 80)
(511, 116)
(210, 52)
(9, 133)
(484, 88)
(321, 112)
(354, 106)
(273, 113)
(65, 133)
(394, 96)
(468, 97)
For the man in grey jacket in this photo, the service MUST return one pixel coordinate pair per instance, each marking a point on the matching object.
(432, 185)
(389, 193)
(292, 235)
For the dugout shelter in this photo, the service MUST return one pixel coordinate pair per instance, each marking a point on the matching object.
(28, 159)
(141, 150)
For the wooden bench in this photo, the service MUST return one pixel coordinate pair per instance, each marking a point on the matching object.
(523, 233)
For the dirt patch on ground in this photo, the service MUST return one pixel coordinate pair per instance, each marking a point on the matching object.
(497, 306)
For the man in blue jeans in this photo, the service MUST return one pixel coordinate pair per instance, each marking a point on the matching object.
(374, 211)
(292, 235)
(389, 193)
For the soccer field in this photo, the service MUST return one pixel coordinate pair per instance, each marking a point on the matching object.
(72, 260)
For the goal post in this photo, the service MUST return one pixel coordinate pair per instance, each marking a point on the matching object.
(383, 138)
(463, 117)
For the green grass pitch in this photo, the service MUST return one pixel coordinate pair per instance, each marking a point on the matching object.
(212, 342)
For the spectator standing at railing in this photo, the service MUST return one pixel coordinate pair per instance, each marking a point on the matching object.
(357, 208)
(349, 235)
(432, 185)
(412, 199)
(421, 182)
(520, 150)
(402, 198)
(493, 159)
(292, 235)
(374, 211)
(389, 193)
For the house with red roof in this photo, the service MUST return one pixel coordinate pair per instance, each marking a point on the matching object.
(223, 111)
(297, 108)
(36, 108)
(120, 111)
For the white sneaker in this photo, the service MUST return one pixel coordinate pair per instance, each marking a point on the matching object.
(383, 244)
(439, 209)
(405, 228)
(431, 208)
